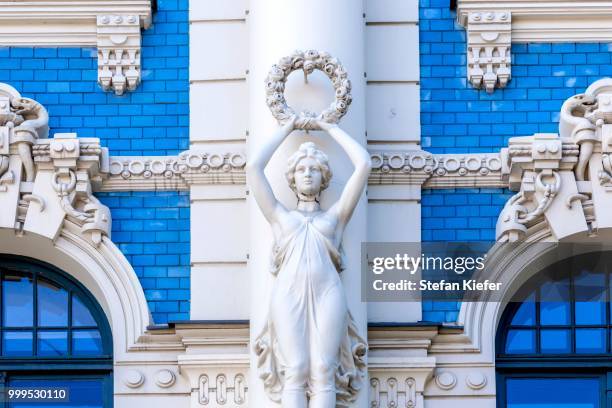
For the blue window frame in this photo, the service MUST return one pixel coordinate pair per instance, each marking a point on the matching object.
(554, 345)
(52, 334)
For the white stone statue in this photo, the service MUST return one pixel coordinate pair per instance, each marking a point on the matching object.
(309, 353)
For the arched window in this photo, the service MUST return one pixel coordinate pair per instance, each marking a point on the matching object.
(554, 348)
(54, 336)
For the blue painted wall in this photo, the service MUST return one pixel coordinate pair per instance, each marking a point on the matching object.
(152, 231)
(458, 118)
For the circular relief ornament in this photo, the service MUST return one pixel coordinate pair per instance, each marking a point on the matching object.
(446, 380)
(308, 61)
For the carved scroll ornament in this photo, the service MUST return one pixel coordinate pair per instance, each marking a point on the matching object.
(573, 168)
(54, 174)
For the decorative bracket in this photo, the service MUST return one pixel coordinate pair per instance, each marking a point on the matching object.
(73, 167)
(540, 167)
(489, 37)
(118, 52)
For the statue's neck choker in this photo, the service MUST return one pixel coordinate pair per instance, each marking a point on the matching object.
(307, 198)
(308, 203)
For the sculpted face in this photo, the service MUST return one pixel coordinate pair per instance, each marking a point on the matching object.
(308, 177)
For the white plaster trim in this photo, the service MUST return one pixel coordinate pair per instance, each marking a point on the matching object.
(512, 265)
(401, 167)
(419, 167)
(191, 167)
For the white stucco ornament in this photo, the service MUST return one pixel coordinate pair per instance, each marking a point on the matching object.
(476, 380)
(309, 352)
(165, 378)
(446, 380)
(134, 379)
(563, 179)
(308, 62)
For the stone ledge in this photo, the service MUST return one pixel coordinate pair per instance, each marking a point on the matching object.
(195, 167)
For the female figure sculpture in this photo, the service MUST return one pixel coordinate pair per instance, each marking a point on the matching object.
(310, 354)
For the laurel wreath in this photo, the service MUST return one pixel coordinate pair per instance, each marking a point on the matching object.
(308, 61)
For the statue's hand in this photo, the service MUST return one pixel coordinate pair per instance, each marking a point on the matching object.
(326, 126)
(289, 125)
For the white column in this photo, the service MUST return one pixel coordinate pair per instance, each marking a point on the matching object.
(276, 29)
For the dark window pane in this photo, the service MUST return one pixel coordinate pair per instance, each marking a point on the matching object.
(555, 341)
(589, 286)
(520, 342)
(17, 343)
(555, 306)
(81, 316)
(18, 310)
(590, 341)
(86, 342)
(554, 313)
(83, 393)
(591, 313)
(589, 289)
(553, 392)
(52, 343)
(52, 304)
(525, 314)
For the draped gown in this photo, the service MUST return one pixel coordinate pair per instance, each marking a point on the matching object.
(308, 309)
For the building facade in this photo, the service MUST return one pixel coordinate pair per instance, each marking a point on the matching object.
(135, 261)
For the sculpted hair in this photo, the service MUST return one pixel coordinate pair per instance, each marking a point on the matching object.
(308, 149)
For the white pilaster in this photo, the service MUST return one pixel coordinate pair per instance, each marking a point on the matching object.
(392, 123)
(276, 29)
(218, 123)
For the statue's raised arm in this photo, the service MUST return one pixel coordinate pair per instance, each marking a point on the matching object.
(259, 185)
(355, 185)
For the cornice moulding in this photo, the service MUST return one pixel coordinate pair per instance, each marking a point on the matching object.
(194, 167)
(436, 170)
(547, 20)
(62, 23)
